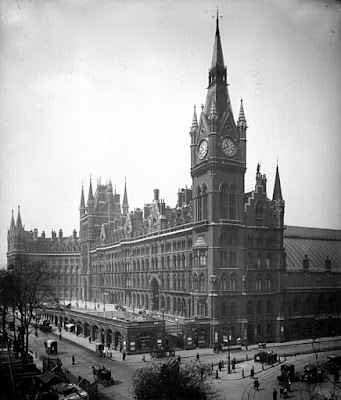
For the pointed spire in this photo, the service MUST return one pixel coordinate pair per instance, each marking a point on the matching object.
(277, 195)
(19, 223)
(194, 120)
(12, 227)
(218, 58)
(241, 118)
(90, 196)
(82, 204)
(125, 205)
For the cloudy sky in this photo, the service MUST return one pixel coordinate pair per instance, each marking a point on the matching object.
(107, 88)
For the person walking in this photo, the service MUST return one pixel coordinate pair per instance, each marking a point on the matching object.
(198, 357)
(274, 394)
(60, 336)
(285, 392)
(73, 360)
(124, 355)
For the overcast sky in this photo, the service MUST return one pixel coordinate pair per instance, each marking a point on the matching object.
(108, 87)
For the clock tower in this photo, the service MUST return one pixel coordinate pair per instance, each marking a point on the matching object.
(218, 150)
(218, 165)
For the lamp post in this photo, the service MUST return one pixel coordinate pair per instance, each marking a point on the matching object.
(104, 294)
(244, 292)
(213, 279)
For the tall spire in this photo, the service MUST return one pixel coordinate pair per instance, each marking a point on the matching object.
(19, 223)
(90, 196)
(277, 195)
(217, 58)
(194, 120)
(125, 205)
(241, 118)
(12, 227)
(82, 204)
(217, 81)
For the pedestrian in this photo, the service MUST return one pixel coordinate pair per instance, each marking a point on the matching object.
(124, 355)
(274, 394)
(281, 391)
(179, 359)
(198, 357)
(256, 384)
(219, 366)
(73, 360)
(285, 392)
(60, 336)
(246, 346)
(90, 339)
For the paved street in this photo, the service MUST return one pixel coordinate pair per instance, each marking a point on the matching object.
(232, 386)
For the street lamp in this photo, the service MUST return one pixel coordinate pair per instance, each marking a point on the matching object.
(244, 292)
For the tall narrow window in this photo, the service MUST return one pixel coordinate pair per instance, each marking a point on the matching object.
(259, 210)
(199, 204)
(204, 202)
(223, 201)
(232, 203)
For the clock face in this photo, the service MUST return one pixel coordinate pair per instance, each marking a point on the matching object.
(202, 150)
(228, 146)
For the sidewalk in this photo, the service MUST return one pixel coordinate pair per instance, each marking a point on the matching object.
(245, 359)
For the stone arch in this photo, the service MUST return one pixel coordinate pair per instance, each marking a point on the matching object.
(155, 293)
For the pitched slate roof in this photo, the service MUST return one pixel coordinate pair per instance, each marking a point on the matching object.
(316, 243)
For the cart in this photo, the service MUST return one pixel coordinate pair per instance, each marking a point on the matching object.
(103, 376)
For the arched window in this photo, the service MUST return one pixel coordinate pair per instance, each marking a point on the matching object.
(204, 202)
(223, 282)
(259, 307)
(233, 309)
(202, 282)
(268, 285)
(199, 204)
(232, 282)
(268, 307)
(183, 282)
(259, 283)
(232, 203)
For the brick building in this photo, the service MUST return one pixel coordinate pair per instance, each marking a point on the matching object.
(221, 263)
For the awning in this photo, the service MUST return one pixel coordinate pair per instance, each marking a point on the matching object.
(69, 326)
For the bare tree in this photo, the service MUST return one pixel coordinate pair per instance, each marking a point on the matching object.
(28, 285)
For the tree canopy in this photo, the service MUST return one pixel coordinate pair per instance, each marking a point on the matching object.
(171, 381)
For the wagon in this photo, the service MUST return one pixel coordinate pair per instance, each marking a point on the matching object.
(103, 376)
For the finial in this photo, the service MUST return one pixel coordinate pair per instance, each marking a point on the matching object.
(258, 168)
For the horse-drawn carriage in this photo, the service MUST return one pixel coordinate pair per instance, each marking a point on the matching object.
(103, 376)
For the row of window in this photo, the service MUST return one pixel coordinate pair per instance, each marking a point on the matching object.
(231, 309)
